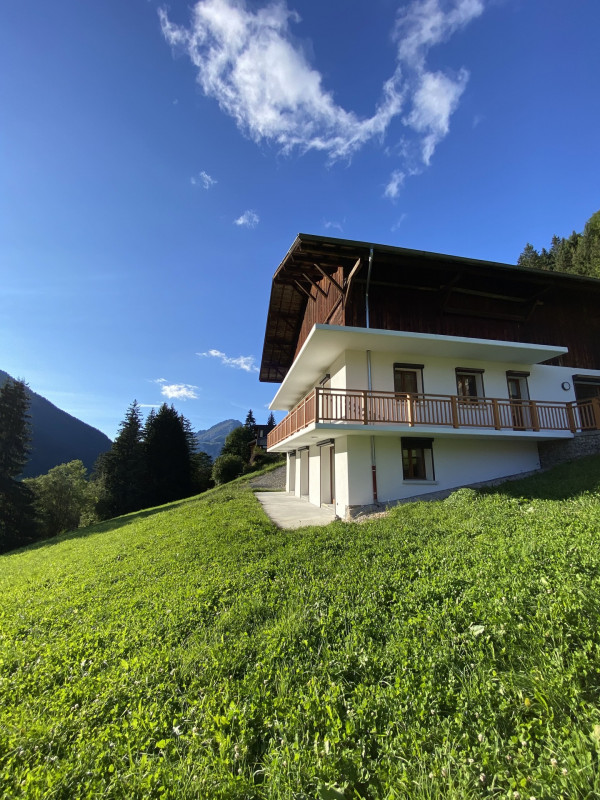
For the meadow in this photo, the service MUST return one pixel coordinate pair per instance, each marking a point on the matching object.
(448, 650)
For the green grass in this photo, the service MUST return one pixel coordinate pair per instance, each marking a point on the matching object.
(449, 650)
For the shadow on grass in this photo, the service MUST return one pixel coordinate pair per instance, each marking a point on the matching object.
(560, 483)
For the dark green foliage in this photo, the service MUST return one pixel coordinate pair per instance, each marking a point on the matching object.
(62, 497)
(202, 465)
(57, 437)
(271, 421)
(123, 469)
(227, 467)
(586, 260)
(238, 442)
(17, 517)
(250, 422)
(579, 254)
(167, 451)
(449, 651)
(529, 257)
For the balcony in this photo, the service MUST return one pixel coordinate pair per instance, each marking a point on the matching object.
(351, 407)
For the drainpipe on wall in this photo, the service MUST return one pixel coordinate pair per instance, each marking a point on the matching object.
(369, 383)
(367, 292)
(373, 462)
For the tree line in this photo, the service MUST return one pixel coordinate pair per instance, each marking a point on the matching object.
(150, 463)
(578, 254)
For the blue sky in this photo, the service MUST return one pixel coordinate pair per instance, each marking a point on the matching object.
(158, 159)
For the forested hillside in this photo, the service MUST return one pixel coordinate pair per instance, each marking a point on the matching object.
(449, 651)
(57, 437)
(578, 254)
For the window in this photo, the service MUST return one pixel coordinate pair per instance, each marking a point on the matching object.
(408, 378)
(469, 383)
(586, 387)
(417, 459)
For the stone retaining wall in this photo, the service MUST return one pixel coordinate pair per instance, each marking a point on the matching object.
(557, 452)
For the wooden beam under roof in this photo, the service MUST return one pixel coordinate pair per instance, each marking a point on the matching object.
(316, 285)
(330, 278)
(304, 291)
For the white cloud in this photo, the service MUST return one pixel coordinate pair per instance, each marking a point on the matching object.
(327, 224)
(179, 391)
(249, 219)
(246, 363)
(159, 380)
(203, 178)
(399, 221)
(392, 190)
(148, 405)
(433, 103)
(248, 61)
(424, 23)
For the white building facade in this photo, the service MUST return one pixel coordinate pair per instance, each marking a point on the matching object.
(376, 415)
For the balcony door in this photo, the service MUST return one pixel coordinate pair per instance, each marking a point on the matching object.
(518, 393)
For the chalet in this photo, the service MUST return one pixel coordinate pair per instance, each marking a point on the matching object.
(406, 372)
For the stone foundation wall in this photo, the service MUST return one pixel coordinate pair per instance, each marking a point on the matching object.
(356, 512)
(557, 452)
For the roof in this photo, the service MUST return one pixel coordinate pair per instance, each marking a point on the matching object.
(310, 256)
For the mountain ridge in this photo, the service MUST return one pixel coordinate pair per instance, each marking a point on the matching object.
(212, 439)
(58, 437)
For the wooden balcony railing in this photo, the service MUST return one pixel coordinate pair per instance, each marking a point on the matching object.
(339, 406)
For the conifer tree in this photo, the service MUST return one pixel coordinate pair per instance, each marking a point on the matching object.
(17, 516)
(271, 420)
(250, 421)
(168, 456)
(123, 468)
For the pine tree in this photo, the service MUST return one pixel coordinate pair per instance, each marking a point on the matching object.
(271, 421)
(17, 516)
(123, 468)
(168, 456)
(586, 260)
(250, 421)
(529, 257)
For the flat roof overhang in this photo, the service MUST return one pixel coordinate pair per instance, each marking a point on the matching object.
(316, 432)
(326, 342)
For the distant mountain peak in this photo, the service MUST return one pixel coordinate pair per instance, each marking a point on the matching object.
(213, 439)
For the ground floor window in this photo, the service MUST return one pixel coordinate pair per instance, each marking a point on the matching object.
(417, 459)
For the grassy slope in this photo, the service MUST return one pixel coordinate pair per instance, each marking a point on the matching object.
(450, 650)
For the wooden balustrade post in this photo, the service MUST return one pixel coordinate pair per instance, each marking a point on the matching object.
(365, 408)
(535, 417)
(496, 414)
(317, 400)
(571, 418)
(454, 407)
(596, 412)
(411, 410)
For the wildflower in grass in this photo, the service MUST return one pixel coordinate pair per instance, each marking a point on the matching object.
(176, 730)
(553, 762)
(480, 737)
(482, 777)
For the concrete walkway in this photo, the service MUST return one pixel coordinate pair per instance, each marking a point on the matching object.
(288, 511)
